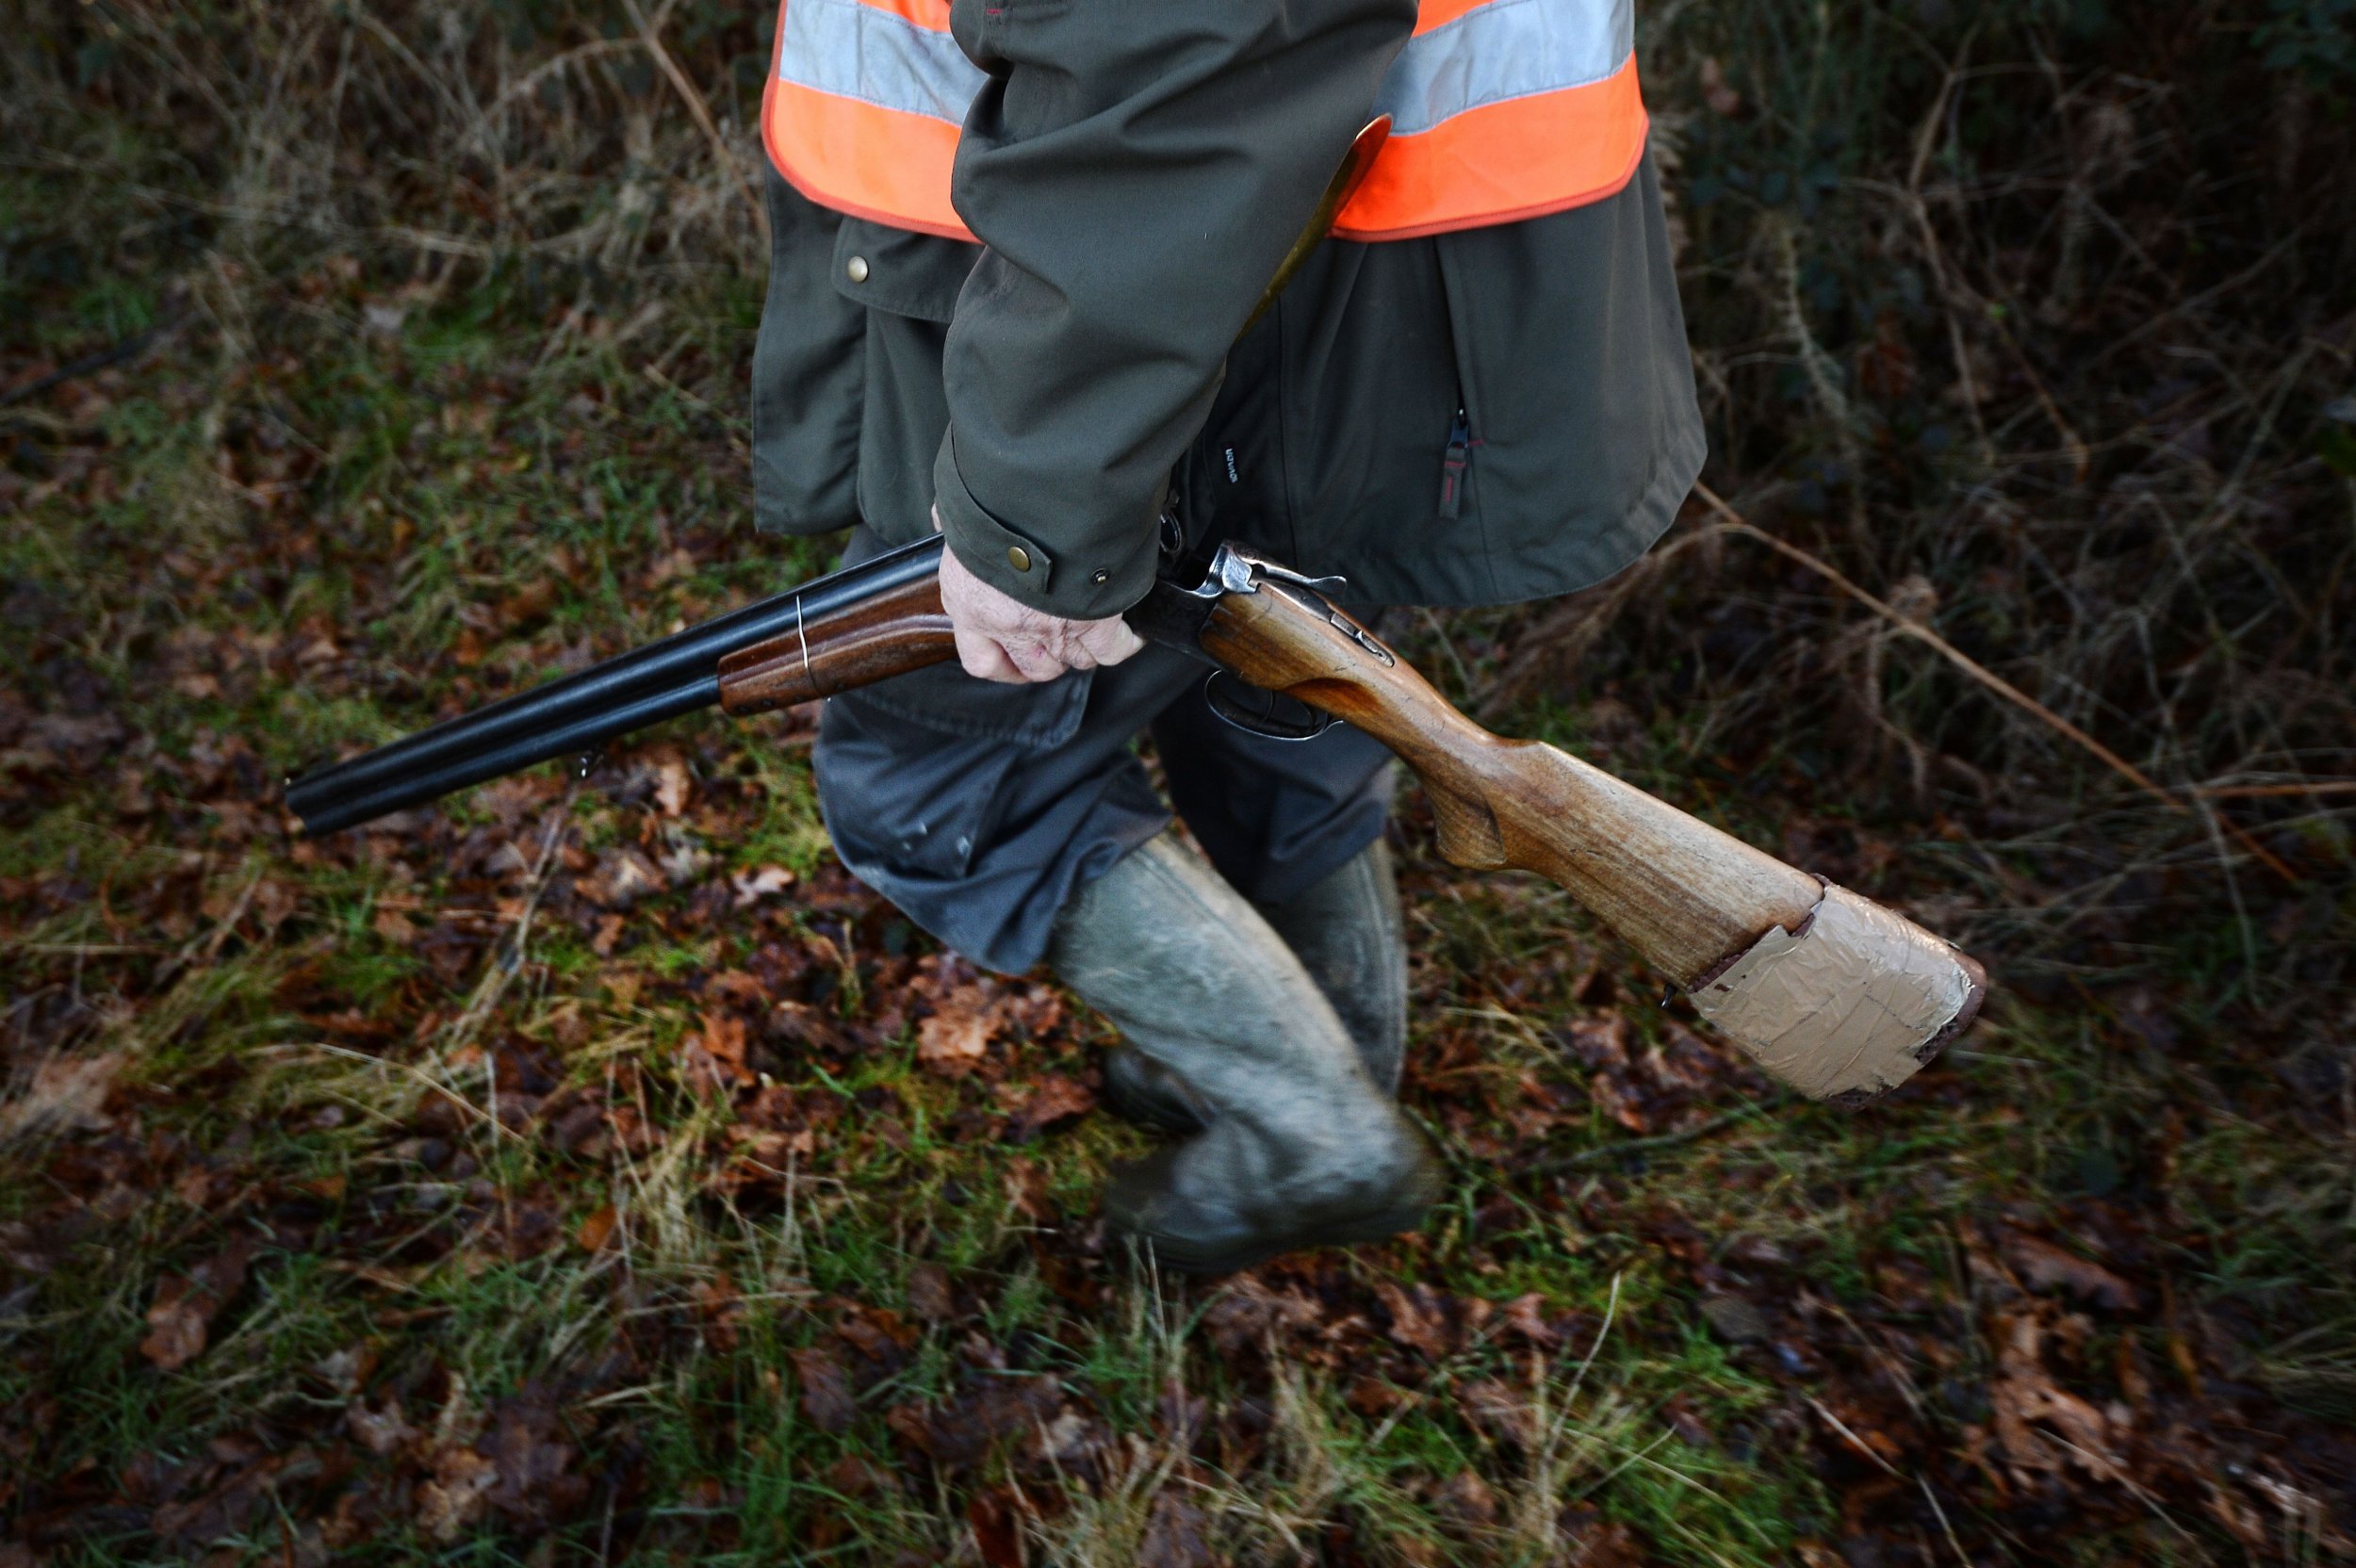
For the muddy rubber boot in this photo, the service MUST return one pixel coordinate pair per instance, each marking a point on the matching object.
(1350, 936)
(1301, 1150)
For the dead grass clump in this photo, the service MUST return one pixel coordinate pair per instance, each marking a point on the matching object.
(570, 139)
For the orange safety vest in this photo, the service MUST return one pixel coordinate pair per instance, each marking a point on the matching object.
(1499, 109)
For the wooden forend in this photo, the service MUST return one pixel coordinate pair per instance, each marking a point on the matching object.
(903, 630)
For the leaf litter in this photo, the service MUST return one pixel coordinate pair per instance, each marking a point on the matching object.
(734, 1188)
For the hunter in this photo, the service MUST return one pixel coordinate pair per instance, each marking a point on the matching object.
(1013, 244)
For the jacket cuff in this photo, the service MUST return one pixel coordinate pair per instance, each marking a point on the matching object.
(1081, 585)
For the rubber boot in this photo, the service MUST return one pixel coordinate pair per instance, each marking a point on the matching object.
(1350, 935)
(1301, 1147)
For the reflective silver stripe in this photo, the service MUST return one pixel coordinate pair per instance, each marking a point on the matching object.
(854, 50)
(1503, 50)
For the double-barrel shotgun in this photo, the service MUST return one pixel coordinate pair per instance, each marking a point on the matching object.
(1837, 996)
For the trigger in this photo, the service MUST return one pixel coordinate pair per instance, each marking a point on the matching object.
(1270, 715)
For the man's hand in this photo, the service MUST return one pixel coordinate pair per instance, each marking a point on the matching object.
(1003, 639)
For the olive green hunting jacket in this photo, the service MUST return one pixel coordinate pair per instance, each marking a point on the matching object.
(1479, 416)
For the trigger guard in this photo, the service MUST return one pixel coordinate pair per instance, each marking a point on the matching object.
(1272, 720)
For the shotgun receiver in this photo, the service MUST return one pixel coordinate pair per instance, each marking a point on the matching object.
(1838, 997)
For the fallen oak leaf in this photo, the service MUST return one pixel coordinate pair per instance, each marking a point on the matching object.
(929, 1295)
(952, 1041)
(1174, 1536)
(176, 1326)
(758, 883)
(1467, 1504)
(180, 1317)
(530, 1457)
(1526, 1315)
(2023, 1393)
(456, 1495)
(598, 1228)
(1601, 1545)
(672, 786)
(347, 1370)
(1028, 1191)
(959, 1433)
(826, 1390)
(2047, 1268)
(1418, 1321)
(685, 864)
(65, 1092)
(1501, 1411)
(876, 1332)
(229, 1507)
(623, 877)
(1055, 1099)
(997, 1530)
(381, 1432)
(1736, 1320)
(713, 1058)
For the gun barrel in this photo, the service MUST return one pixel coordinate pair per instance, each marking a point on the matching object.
(578, 712)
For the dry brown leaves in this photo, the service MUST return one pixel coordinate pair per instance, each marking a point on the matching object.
(185, 1306)
(958, 1433)
(713, 1058)
(1047, 1101)
(1176, 1535)
(952, 1039)
(62, 1092)
(825, 1389)
(2044, 1266)
(967, 1013)
(2039, 1425)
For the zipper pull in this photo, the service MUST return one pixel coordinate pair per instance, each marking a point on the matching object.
(1453, 466)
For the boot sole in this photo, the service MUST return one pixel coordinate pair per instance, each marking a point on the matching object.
(1378, 1226)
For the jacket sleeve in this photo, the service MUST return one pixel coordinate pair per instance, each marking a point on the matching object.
(1136, 173)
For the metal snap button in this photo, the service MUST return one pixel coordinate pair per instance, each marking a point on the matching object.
(1018, 558)
(1101, 577)
(855, 268)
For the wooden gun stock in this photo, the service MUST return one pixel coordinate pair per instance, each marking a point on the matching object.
(1838, 997)
(1683, 893)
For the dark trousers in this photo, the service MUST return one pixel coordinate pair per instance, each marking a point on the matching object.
(978, 809)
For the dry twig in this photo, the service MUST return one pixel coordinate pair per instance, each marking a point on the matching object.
(1734, 522)
(649, 33)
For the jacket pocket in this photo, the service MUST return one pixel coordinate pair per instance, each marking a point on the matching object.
(1378, 441)
(1456, 466)
(908, 274)
(808, 377)
(1570, 349)
(1461, 483)
(947, 701)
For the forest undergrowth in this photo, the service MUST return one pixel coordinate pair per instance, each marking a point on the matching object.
(590, 1171)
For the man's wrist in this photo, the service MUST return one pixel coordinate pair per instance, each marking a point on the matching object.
(1083, 584)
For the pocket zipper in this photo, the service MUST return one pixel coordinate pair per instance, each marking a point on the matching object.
(1453, 466)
